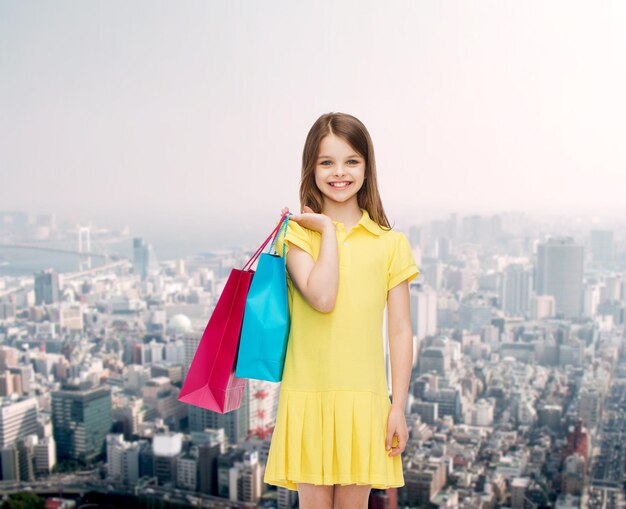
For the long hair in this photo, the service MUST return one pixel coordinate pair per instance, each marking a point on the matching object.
(353, 132)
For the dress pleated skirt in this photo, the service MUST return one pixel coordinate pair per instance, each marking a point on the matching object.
(332, 437)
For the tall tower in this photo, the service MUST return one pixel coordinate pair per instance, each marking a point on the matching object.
(144, 259)
(84, 246)
(516, 289)
(560, 273)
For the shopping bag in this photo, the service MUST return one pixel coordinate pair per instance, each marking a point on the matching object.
(211, 382)
(265, 328)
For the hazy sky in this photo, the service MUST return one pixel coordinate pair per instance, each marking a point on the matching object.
(161, 114)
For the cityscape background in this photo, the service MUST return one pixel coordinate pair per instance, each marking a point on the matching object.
(146, 149)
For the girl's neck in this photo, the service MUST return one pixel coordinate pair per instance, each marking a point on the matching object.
(348, 214)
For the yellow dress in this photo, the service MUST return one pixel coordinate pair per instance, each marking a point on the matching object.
(333, 405)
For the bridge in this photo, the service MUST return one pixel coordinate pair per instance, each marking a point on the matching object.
(62, 251)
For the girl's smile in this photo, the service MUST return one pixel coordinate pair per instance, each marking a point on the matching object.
(340, 185)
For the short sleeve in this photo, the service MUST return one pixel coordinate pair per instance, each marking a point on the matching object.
(402, 265)
(295, 234)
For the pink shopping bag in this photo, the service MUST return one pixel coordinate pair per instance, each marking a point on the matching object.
(211, 382)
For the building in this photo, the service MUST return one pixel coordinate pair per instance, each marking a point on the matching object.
(428, 411)
(160, 395)
(542, 306)
(45, 456)
(435, 358)
(423, 302)
(560, 274)
(81, 420)
(122, 459)
(573, 475)
(246, 478)
(144, 260)
(519, 485)
(517, 288)
(46, 287)
(481, 413)
(18, 419)
(424, 479)
(166, 449)
(578, 442)
(187, 472)
(550, 416)
(590, 403)
(602, 246)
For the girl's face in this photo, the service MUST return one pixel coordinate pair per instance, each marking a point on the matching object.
(339, 170)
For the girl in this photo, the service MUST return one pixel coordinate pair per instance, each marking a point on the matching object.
(337, 434)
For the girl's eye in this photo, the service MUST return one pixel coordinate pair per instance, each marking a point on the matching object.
(351, 161)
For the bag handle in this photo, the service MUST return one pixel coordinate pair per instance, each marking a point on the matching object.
(283, 230)
(283, 221)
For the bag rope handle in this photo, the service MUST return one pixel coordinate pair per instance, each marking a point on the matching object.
(257, 253)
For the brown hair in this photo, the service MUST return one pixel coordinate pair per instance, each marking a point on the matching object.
(353, 132)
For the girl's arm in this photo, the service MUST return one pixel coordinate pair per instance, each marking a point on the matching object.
(401, 352)
(400, 342)
(317, 281)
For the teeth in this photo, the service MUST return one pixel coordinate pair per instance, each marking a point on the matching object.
(344, 184)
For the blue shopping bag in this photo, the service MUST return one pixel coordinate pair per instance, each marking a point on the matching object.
(266, 320)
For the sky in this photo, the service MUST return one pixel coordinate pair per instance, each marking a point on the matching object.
(190, 117)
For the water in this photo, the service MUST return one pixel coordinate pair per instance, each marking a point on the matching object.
(18, 262)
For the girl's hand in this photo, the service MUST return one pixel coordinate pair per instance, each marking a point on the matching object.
(397, 432)
(310, 219)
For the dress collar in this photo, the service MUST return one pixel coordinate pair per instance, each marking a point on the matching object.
(367, 222)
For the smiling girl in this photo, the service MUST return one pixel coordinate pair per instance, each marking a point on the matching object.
(337, 433)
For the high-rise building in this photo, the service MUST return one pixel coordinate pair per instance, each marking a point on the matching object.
(602, 247)
(208, 452)
(144, 259)
(191, 341)
(187, 472)
(560, 273)
(423, 310)
(573, 475)
(159, 394)
(246, 478)
(517, 289)
(519, 486)
(18, 418)
(167, 447)
(590, 406)
(122, 459)
(46, 287)
(81, 419)
(45, 455)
